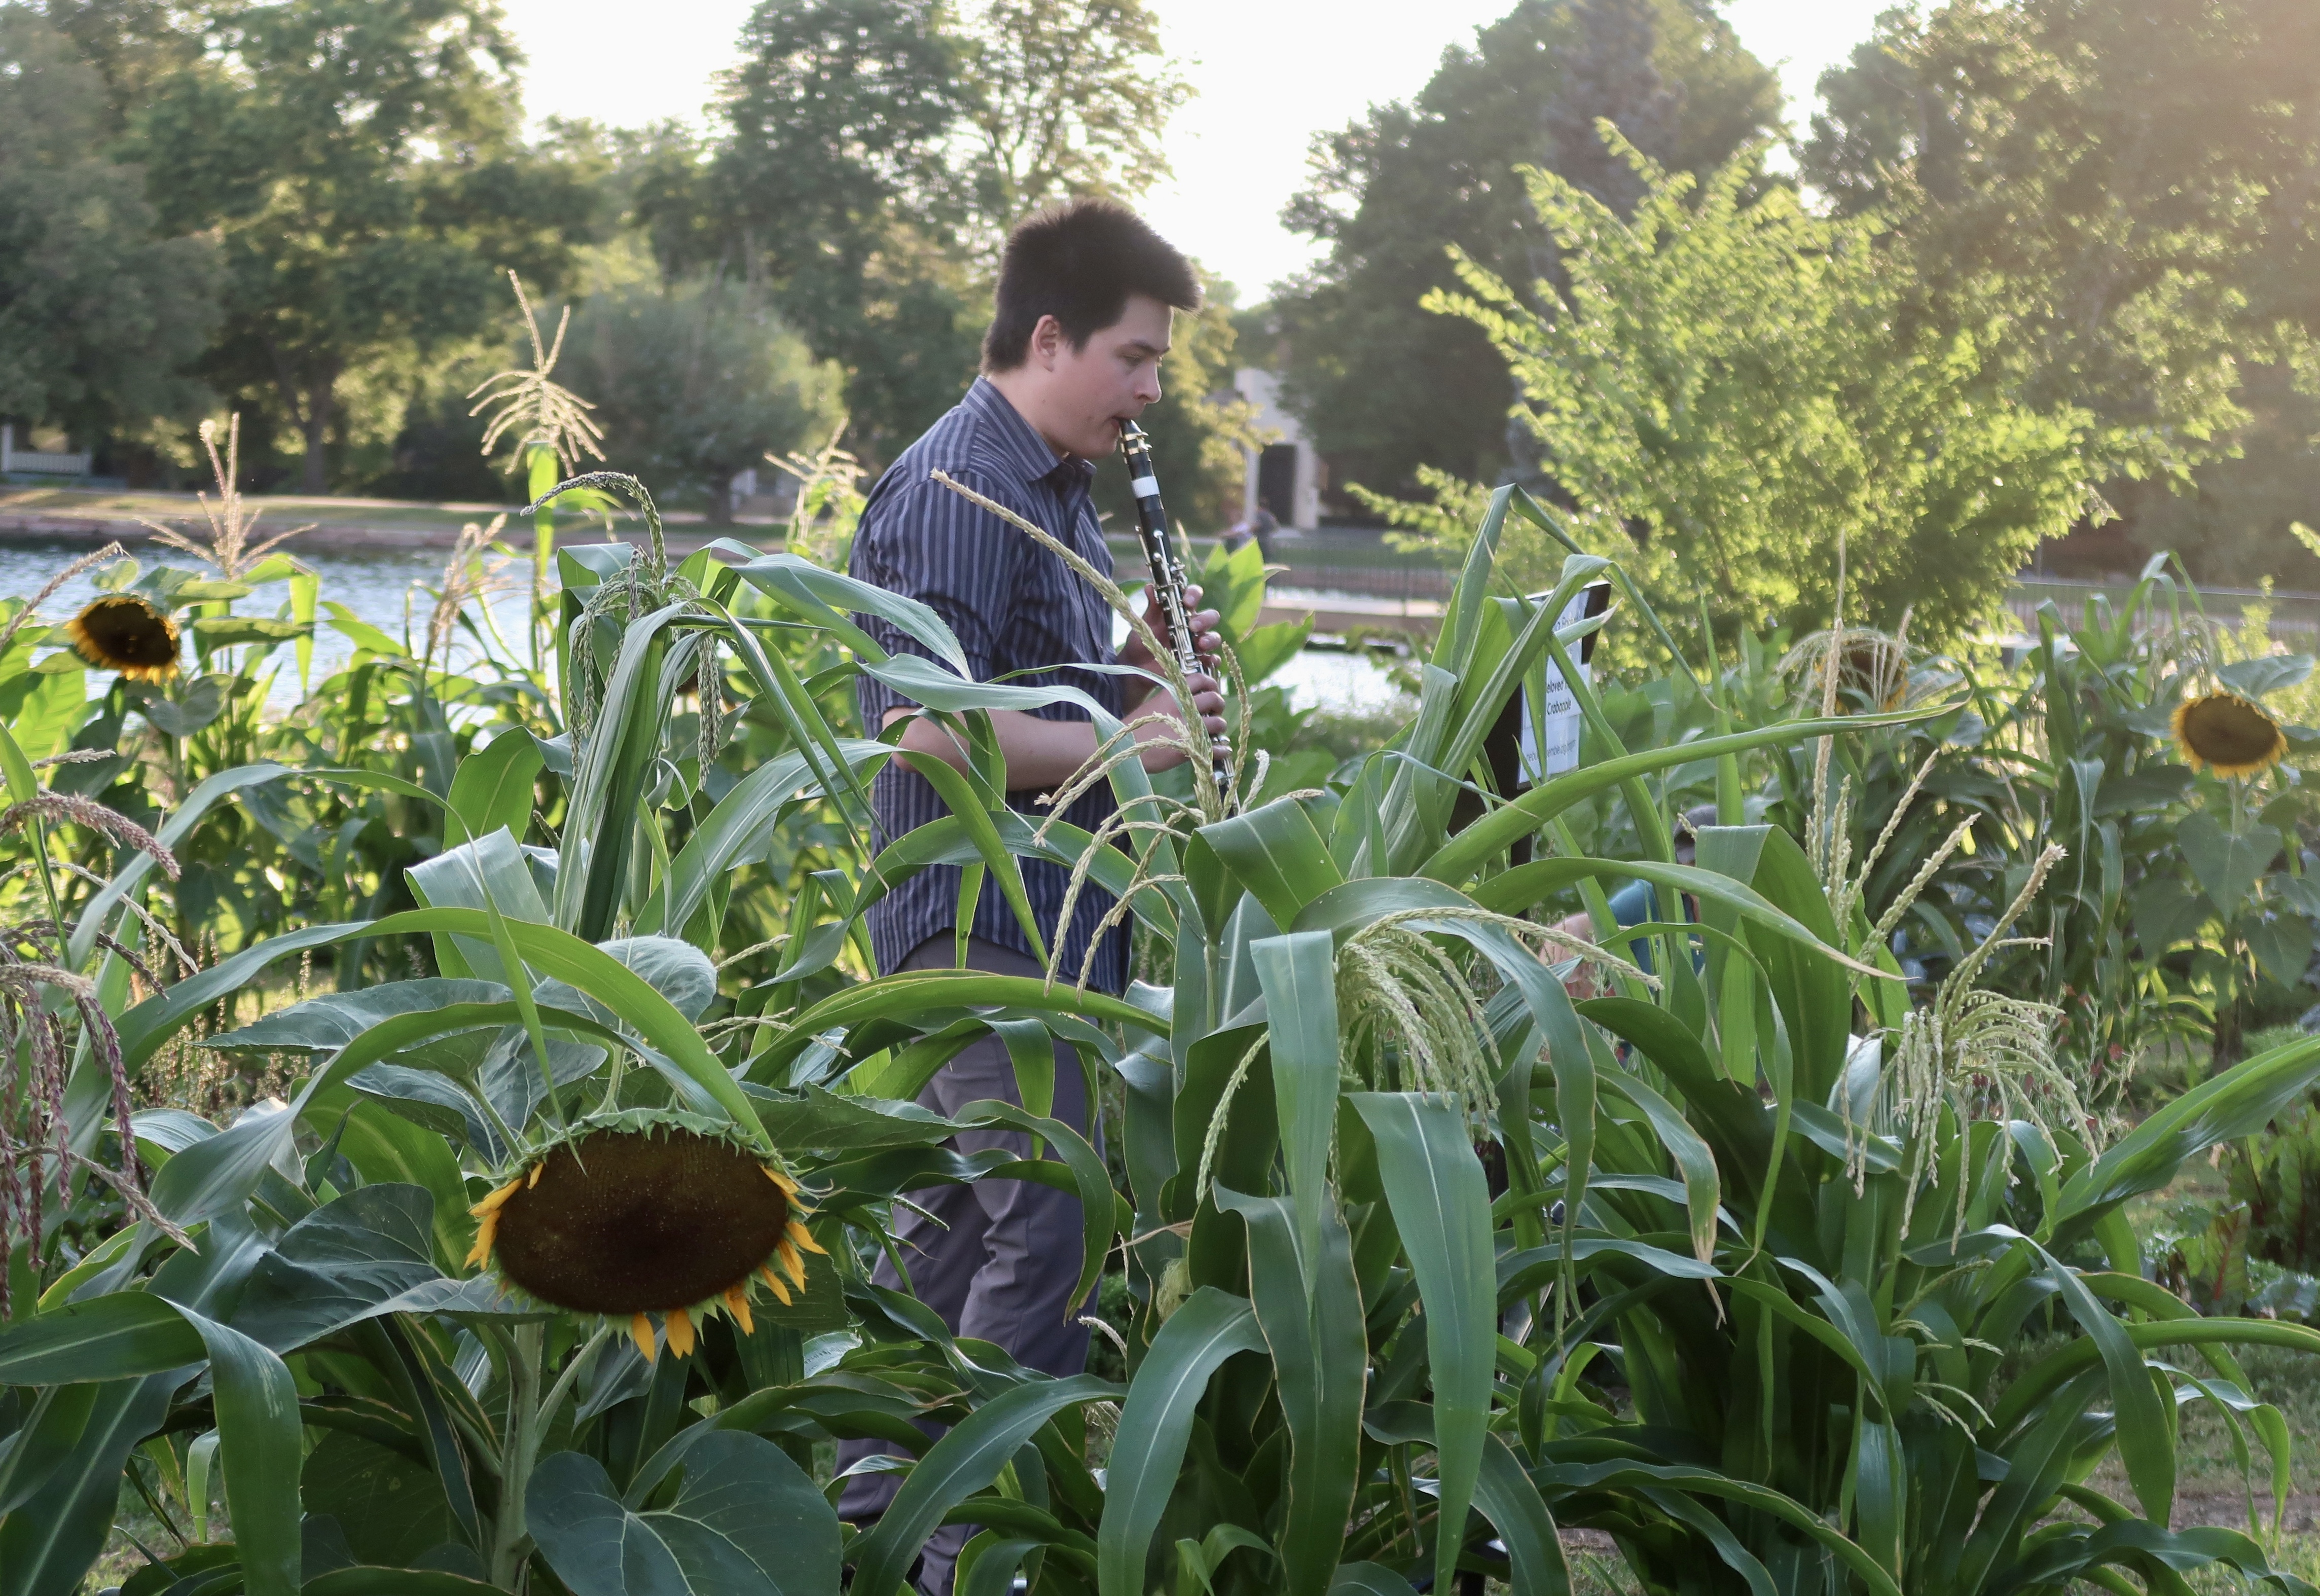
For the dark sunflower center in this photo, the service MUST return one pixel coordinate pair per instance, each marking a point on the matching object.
(638, 1222)
(2222, 730)
(128, 631)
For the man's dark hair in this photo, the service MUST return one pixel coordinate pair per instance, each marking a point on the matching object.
(1079, 262)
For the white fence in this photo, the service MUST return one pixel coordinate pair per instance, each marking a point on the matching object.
(43, 461)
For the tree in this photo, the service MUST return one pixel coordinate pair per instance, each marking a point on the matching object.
(2132, 184)
(1385, 388)
(132, 44)
(695, 383)
(97, 315)
(829, 184)
(873, 154)
(1725, 390)
(1069, 97)
(358, 161)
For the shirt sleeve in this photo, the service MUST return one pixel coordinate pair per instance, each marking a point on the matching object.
(956, 557)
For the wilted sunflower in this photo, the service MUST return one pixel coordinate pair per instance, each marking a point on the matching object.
(646, 1211)
(2228, 734)
(1878, 668)
(125, 632)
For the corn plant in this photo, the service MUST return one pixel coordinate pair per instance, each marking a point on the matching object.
(562, 1249)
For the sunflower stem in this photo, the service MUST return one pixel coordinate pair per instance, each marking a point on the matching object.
(511, 1535)
(564, 1380)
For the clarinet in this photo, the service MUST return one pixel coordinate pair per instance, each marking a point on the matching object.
(1168, 577)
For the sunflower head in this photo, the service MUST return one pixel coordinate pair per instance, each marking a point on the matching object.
(2228, 734)
(125, 632)
(1875, 668)
(642, 1212)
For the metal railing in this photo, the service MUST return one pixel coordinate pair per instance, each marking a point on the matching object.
(42, 462)
(2294, 619)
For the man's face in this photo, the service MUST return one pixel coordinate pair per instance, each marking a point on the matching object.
(1085, 394)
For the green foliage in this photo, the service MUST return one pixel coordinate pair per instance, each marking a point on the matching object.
(1734, 1277)
(872, 153)
(1729, 392)
(2256, 1248)
(2113, 180)
(1385, 389)
(99, 313)
(359, 168)
(1063, 97)
(697, 382)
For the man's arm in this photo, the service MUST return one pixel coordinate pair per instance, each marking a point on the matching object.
(1046, 754)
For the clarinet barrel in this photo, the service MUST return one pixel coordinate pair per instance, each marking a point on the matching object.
(1168, 575)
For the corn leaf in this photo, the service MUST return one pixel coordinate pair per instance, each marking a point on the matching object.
(968, 1458)
(1441, 1206)
(1155, 1423)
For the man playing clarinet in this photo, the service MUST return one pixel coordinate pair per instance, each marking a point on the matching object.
(1080, 321)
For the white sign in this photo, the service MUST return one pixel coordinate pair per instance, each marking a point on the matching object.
(1551, 724)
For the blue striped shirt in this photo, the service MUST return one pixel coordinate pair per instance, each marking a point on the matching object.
(1015, 607)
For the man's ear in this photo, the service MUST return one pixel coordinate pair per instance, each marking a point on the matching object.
(1047, 341)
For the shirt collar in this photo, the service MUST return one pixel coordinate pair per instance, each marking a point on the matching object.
(1019, 441)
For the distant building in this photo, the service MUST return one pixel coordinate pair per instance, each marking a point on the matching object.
(56, 461)
(1286, 475)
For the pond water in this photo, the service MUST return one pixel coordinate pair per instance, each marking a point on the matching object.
(377, 587)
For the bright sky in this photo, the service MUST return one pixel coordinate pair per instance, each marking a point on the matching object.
(1269, 73)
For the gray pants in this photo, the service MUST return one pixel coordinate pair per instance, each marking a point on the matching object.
(999, 1259)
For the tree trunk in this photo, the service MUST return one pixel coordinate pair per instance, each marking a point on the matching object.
(310, 412)
(315, 424)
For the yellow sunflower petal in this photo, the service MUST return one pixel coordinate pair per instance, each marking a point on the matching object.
(2228, 734)
(781, 1292)
(536, 1171)
(680, 1331)
(124, 633)
(791, 1265)
(737, 1303)
(493, 1204)
(640, 1332)
(481, 1253)
(789, 1187)
(804, 1238)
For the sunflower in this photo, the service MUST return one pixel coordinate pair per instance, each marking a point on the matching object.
(125, 632)
(646, 1211)
(2228, 734)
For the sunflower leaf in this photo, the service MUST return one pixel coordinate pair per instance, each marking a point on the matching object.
(2267, 673)
(746, 1521)
(2226, 863)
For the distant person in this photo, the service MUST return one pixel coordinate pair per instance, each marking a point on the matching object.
(1638, 903)
(1262, 526)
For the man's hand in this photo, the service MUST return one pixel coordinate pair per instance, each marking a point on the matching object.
(1207, 719)
(1206, 640)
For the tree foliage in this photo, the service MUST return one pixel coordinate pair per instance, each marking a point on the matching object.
(357, 161)
(697, 382)
(2130, 184)
(1725, 389)
(1385, 387)
(97, 313)
(1065, 98)
(872, 154)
